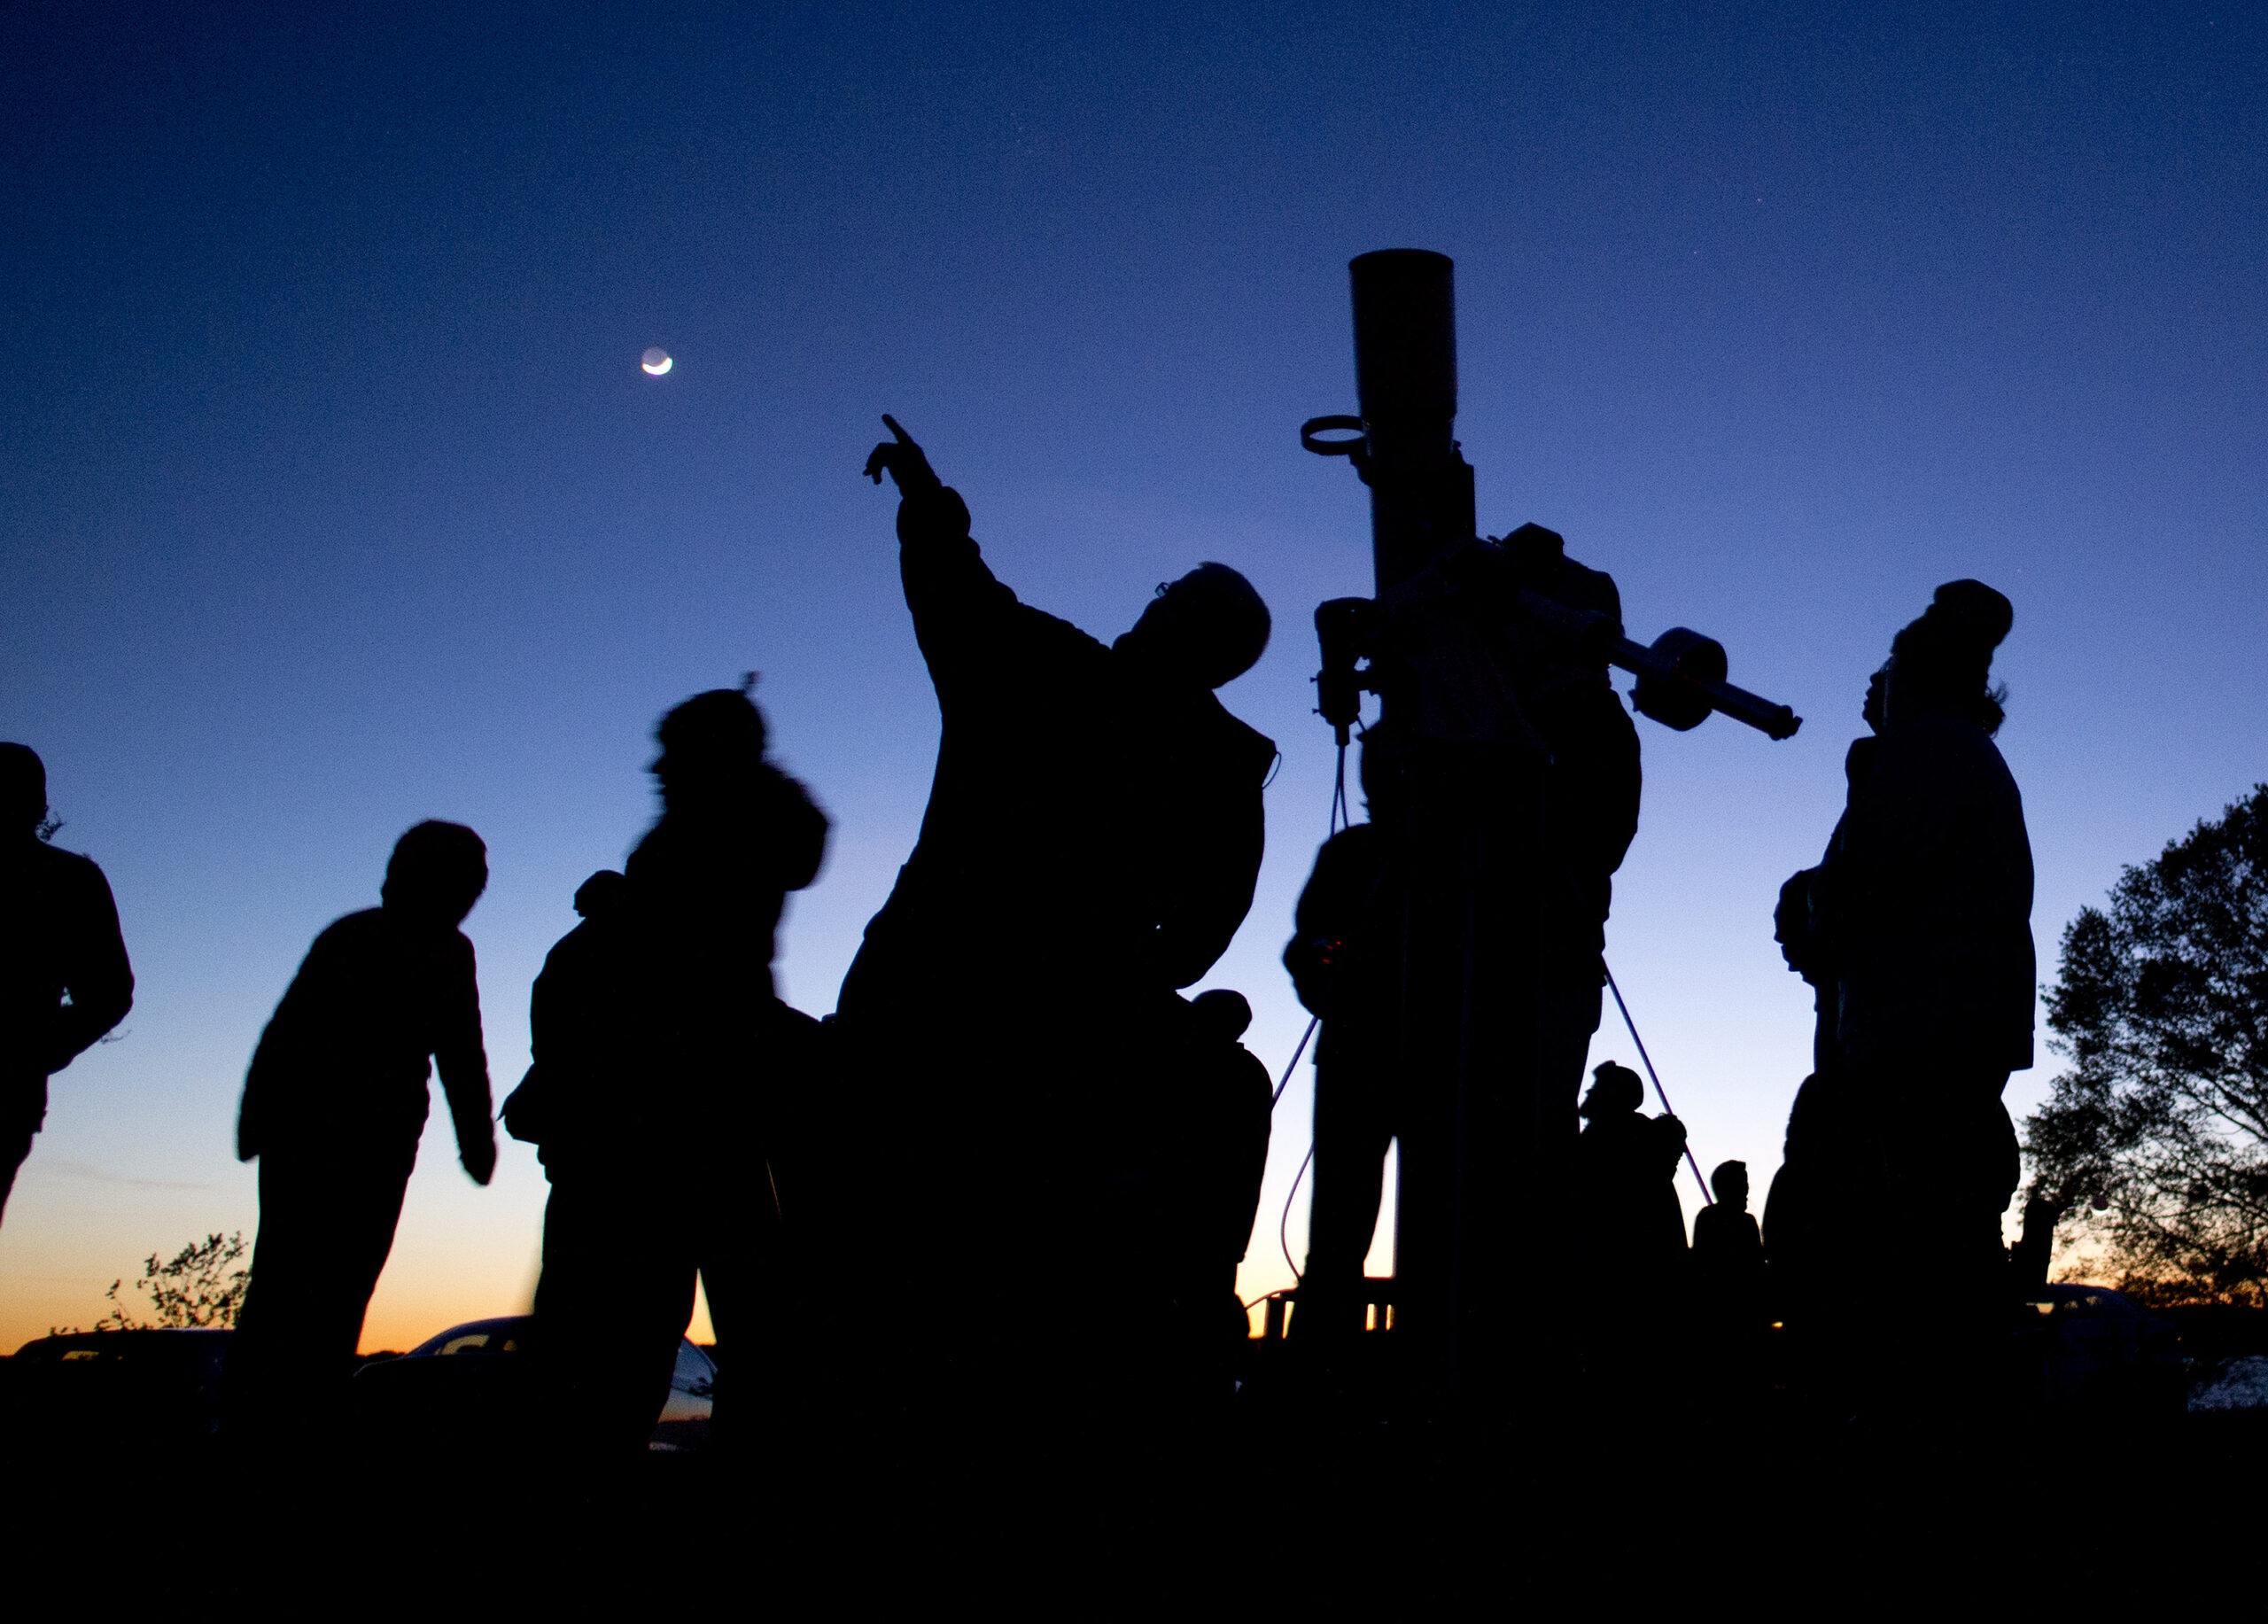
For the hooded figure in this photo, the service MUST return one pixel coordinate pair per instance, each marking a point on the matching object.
(1091, 841)
(1187, 1174)
(667, 1077)
(334, 1104)
(58, 940)
(1634, 1229)
(1630, 1246)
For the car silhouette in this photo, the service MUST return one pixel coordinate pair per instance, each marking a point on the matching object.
(105, 1391)
(2088, 1348)
(471, 1387)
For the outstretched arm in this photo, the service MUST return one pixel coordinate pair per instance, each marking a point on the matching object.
(957, 605)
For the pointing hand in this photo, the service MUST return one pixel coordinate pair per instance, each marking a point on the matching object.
(903, 460)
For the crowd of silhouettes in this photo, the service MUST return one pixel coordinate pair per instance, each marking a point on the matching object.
(1017, 1125)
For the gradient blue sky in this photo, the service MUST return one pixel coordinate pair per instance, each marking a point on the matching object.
(334, 497)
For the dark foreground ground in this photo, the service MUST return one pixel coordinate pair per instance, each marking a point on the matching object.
(1551, 1510)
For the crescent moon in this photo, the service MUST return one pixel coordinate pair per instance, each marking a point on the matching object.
(654, 363)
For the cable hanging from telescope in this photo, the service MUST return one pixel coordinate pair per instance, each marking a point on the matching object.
(1691, 1160)
(1340, 819)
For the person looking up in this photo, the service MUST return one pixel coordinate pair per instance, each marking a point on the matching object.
(64, 980)
(1092, 838)
(1924, 911)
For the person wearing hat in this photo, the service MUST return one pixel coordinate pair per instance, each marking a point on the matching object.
(665, 1068)
(1630, 1245)
(1923, 908)
(58, 940)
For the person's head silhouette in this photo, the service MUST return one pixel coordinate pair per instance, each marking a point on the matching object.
(437, 872)
(23, 790)
(1729, 1184)
(712, 743)
(1871, 712)
(1615, 1090)
(1941, 665)
(1223, 1013)
(1209, 627)
(601, 893)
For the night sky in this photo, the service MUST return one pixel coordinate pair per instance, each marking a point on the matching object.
(333, 496)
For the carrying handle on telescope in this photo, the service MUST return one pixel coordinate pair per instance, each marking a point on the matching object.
(1678, 678)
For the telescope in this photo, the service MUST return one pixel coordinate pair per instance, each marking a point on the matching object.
(1403, 446)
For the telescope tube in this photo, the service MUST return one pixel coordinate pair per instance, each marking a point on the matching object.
(1405, 381)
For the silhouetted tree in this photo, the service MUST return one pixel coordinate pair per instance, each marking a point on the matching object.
(203, 1287)
(2160, 1127)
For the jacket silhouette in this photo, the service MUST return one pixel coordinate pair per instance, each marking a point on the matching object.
(1818, 1213)
(1504, 716)
(1728, 1248)
(1921, 911)
(1345, 965)
(1092, 838)
(64, 980)
(576, 1031)
(667, 1074)
(1630, 1233)
(1730, 1288)
(1193, 1162)
(334, 1104)
(1632, 1228)
(1098, 799)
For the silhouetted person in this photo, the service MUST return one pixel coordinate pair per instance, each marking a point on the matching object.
(575, 1016)
(1730, 1309)
(1631, 1231)
(1590, 816)
(664, 1065)
(334, 1105)
(1197, 1159)
(1503, 804)
(2034, 1251)
(1728, 1250)
(1811, 951)
(1345, 962)
(1093, 833)
(1820, 1214)
(1822, 1221)
(1923, 909)
(64, 976)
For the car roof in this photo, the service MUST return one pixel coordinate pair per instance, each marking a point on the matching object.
(148, 1339)
(2080, 1296)
(505, 1325)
